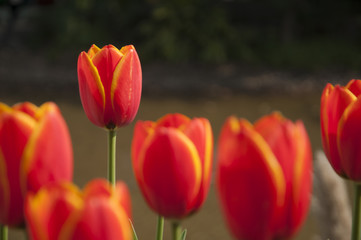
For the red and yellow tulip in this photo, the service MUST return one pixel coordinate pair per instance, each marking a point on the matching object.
(62, 211)
(35, 149)
(172, 162)
(110, 84)
(340, 128)
(264, 176)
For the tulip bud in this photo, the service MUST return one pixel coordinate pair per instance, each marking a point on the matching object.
(110, 84)
(264, 177)
(340, 130)
(172, 162)
(62, 211)
(35, 149)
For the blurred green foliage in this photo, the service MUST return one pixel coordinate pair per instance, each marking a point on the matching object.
(298, 33)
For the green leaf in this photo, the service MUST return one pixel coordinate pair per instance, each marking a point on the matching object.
(134, 233)
(183, 235)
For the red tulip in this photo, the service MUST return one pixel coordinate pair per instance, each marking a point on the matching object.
(172, 162)
(62, 211)
(264, 177)
(110, 84)
(340, 128)
(35, 149)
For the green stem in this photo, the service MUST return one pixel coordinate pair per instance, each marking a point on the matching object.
(176, 230)
(356, 229)
(160, 228)
(111, 155)
(3, 232)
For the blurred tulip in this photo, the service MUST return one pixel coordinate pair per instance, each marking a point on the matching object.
(264, 177)
(62, 211)
(35, 149)
(110, 84)
(340, 128)
(172, 162)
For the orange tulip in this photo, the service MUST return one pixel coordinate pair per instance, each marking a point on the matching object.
(264, 177)
(172, 162)
(62, 211)
(110, 84)
(35, 149)
(340, 128)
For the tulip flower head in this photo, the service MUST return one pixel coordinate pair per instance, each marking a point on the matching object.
(62, 211)
(110, 84)
(35, 149)
(340, 128)
(264, 177)
(172, 162)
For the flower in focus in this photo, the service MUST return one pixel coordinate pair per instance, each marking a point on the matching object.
(35, 149)
(264, 176)
(110, 84)
(62, 211)
(340, 128)
(172, 162)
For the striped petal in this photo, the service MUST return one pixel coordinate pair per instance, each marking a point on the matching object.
(302, 181)
(15, 129)
(91, 89)
(334, 101)
(175, 120)
(50, 212)
(354, 86)
(48, 155)
(349, 133)
(106, 61)
(199, 131)
(126, 87)
(171, 172)
(27, 108)
(250, 181)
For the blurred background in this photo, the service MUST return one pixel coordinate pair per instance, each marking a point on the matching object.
(202, 58)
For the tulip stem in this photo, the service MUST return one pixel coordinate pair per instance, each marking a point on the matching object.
(356, 229)
(160, 227)
(4, 232)
(176, 230)
(111, 155)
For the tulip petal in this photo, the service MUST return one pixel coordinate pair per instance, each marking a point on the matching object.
(49, 212)
(27, 108)
(250, 181)
(102, 218)
(354, 86)
(15, 129)
(334, 101)
(101, 187)
(171, 172)
(199, 131)
(126, 87)
(4, 108)
(92, 93)
(349, 134)
(123, 196)
(278, 133)
(302, 181)
(175, 120)
(93, 50)
(48, 155)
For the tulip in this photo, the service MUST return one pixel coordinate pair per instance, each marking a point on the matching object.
(110, 84)
(62, 211)
(35, 149)
(341, 133)
(172, 162)
(264, 177)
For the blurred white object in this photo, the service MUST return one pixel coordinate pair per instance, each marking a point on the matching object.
(331, 203)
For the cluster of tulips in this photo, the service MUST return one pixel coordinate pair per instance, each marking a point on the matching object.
(263, 170)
